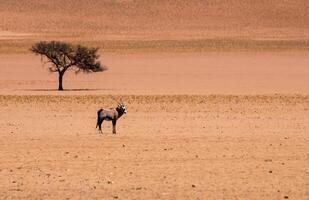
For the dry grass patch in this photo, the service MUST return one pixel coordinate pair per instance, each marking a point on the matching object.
(155, 102)
(157, 46)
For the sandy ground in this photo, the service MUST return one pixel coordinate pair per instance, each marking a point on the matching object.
(167, 147)
(183, 73)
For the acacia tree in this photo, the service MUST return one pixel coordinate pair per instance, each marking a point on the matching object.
(64, 56)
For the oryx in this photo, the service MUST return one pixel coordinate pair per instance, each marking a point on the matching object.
(111, 114)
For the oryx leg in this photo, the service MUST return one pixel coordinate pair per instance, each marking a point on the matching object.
(114, 126)
(100, 126)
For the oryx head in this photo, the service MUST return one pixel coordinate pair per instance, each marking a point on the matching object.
(121, 106)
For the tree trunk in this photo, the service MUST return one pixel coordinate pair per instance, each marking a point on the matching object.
(60, 88)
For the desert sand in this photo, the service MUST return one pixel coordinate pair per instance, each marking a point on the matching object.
(217, 94)
(230, 73)
(167, 147)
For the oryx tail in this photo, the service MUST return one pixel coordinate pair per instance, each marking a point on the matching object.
(98, 120)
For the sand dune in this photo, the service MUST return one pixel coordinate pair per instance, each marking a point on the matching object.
(109, 23)
(259, 19)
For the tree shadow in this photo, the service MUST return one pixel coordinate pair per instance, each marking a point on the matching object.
(55, 90)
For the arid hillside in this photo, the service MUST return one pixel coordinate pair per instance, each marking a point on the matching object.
(200, 18)
(121, 21)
